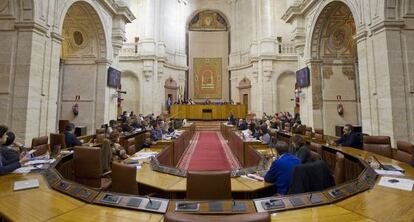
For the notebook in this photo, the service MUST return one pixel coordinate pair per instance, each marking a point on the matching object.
(26, 184)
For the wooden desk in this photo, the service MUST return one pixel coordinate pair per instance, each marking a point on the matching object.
(218, 112)
(44, 204)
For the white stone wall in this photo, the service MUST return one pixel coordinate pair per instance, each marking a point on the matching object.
(29, 95)
(384, 63)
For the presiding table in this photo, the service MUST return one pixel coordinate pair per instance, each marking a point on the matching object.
(208, 112)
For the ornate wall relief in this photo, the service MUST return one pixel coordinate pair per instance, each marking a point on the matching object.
(208, 21)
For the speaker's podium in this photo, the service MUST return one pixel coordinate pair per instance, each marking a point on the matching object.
(207, 114)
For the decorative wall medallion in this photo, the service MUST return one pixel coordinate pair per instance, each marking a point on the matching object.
(78, 38)
(208, 21)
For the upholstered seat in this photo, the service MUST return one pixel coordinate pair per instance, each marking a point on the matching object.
(316, 147)
(208, 185)
(319, 134)
(130, 146)
(339, 172)
(40, 145)
(181, 217)
(124, 178)
(314, 156)
(309, 177)
(100, 131)
(308, 132)
(57, 141)
(404, 152)
(62, 125)
(99, 138)
(87, 165)
(378, 144)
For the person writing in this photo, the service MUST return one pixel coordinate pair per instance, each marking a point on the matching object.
(280, 172)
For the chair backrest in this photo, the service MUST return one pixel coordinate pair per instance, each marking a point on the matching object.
(40, 145)
(99, 138)
(208, 185)
(316, 147)
(378, 144)
(124, 178)
(339, 172)
(181, 217)
(87, 165)
(309, 177)
(106, 155)
(308, 132)
(57, 140)
(100, 131)
(319, 134)
(62, 125)
(405, 152)
(130, 146)
(314, 156)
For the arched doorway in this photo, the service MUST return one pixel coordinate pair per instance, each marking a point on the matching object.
(334, 68)
(171, 88)
(245, 87)
(83, 68)
(130, 84)
(286, 92)
(208, 52)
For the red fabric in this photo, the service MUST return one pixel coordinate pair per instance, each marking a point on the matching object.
(208, 154)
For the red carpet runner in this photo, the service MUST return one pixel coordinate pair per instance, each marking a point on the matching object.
(208, 151)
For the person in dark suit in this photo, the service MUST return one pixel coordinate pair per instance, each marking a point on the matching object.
(280, 171)
(70, 138)
(350, 138)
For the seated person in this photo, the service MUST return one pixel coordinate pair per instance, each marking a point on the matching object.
(8, 165)
(112, 126)
(350, 138)
(298, 148)
(231, 120)
(242, 125)
(280, 172)
(265, 138)
(118, 152)
(125, 127)
(156, 133)
(147, 143)
(298, 127)
(9, 153)
(70, 139)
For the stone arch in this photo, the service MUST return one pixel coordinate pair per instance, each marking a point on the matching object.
(93, 13)
(130, 83)
(285, 89)
(245, 88)
(171, 88)
(334, 67)
(84, 65)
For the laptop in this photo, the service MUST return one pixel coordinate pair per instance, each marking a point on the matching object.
(25, 184)
(389, 167)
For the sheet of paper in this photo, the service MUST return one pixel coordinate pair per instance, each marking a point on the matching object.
(397, 183)
(24, 170)
(36, 162)
(389, 173)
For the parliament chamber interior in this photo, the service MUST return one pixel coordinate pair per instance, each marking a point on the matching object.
(206, 110)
